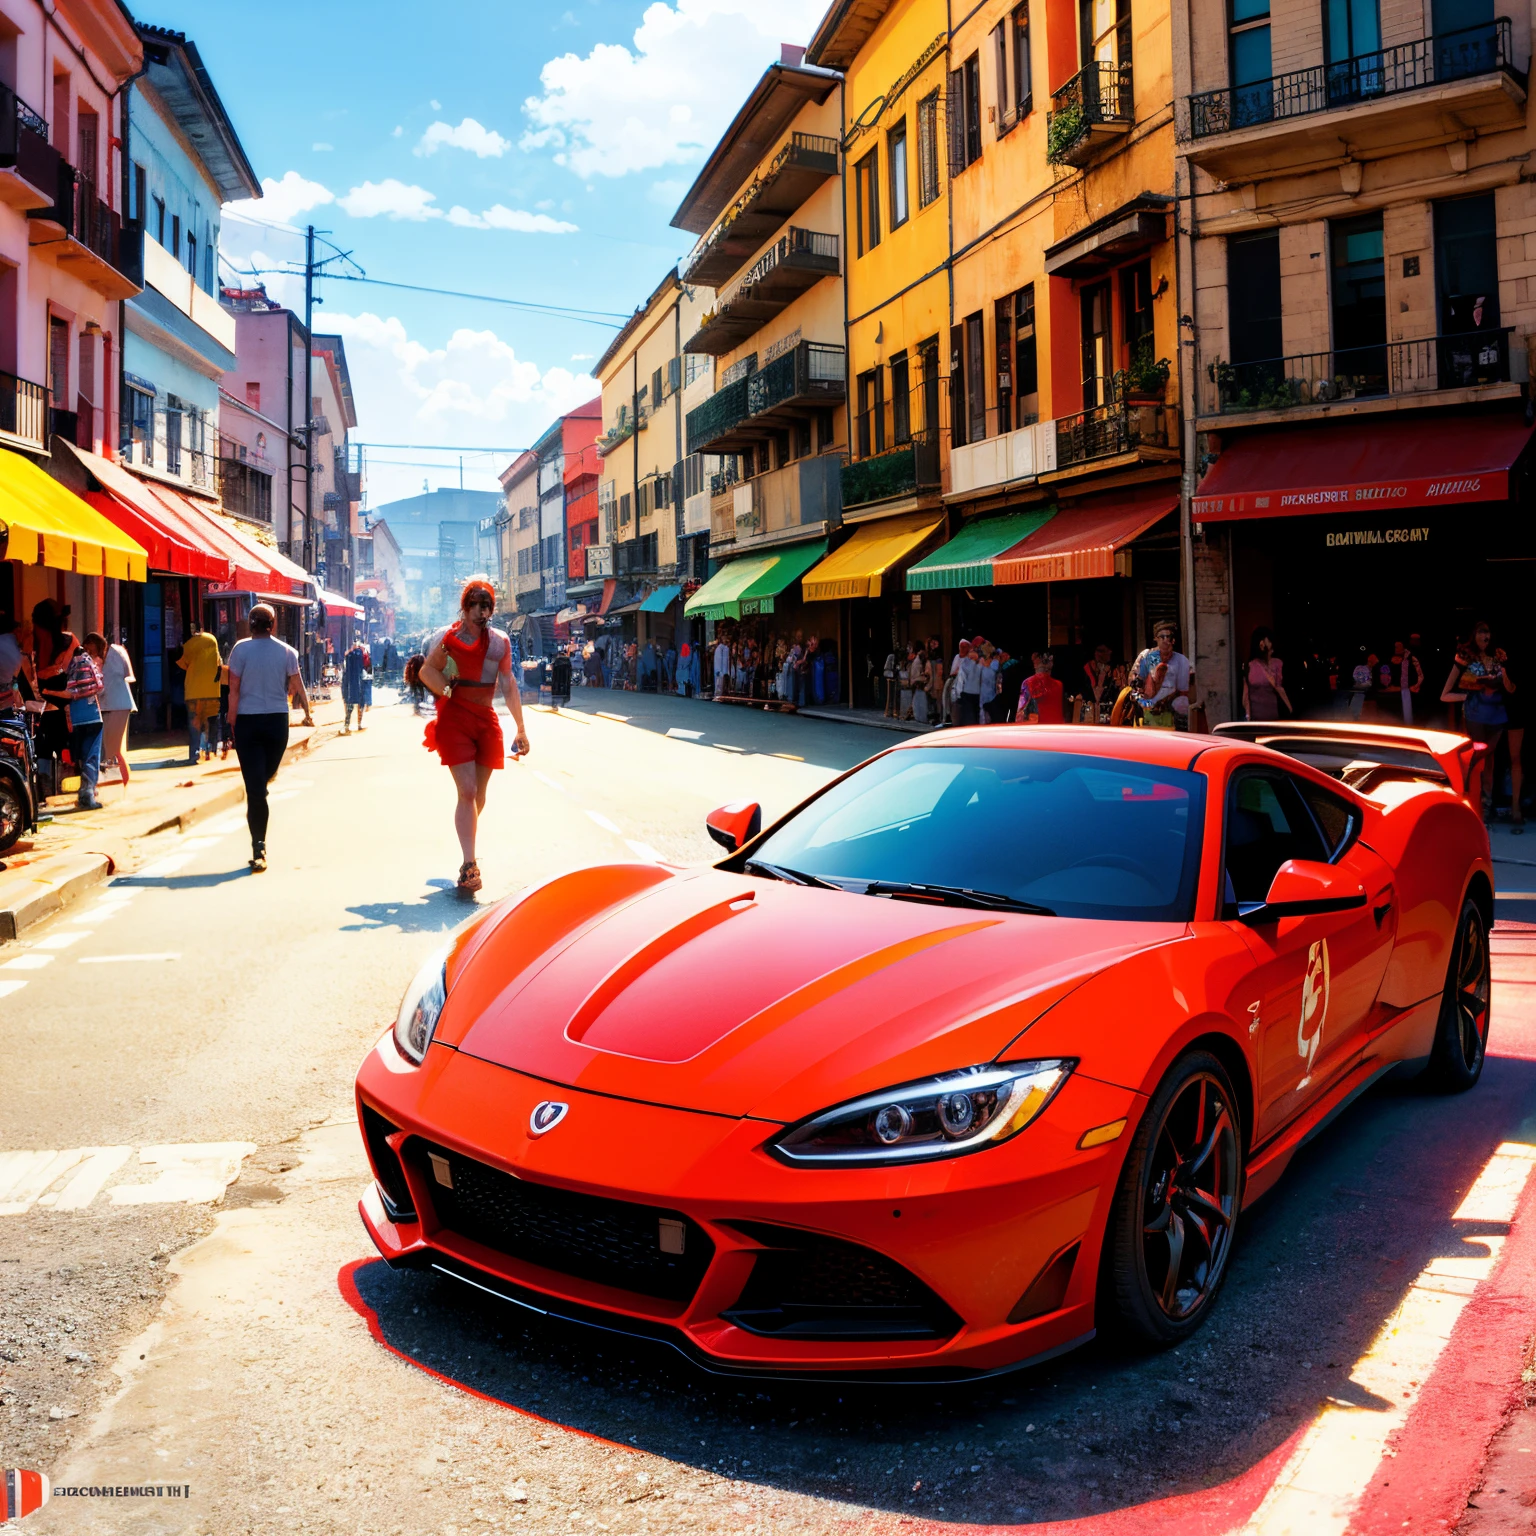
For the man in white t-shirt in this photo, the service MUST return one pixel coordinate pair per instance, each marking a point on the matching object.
(1166, 679)
(966, 671)
(722, 666)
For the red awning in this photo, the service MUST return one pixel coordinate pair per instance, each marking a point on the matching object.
(339, 607)
(610, 586)
(1079, 544)
(248, 569)
(1365, 465)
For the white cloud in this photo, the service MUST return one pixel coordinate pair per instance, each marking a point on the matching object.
(398, 130)
(391, 199)
(282, 201)
(666, 99)
(436, 105)
(320, 147)
(499, 217)
(484, 143)
(473, 387)
(582, 357)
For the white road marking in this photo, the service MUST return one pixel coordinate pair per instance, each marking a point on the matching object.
(544, 778)
(602, 821)
(192, 844)
(189, 1174)
(62, 940)
(14, 1166)
(7, 987)
(27, 963)
(677, 730)
(100, 912)
(100, 1164)
(643, 851)
(1320, 1486)
(122, 959)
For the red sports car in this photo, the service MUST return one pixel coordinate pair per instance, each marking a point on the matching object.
(986, 1044)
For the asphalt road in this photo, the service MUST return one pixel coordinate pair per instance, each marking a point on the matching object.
(256, 1354)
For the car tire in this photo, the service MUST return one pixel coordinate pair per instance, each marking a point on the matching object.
(1170, 1231)
(13, 814)
(1461, 1034)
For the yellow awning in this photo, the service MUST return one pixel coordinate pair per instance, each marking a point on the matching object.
(856, 569)
(41, 519)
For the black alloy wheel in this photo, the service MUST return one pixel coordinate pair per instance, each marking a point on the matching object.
(1175, 1213)
(13, 814)
(1461, 1036)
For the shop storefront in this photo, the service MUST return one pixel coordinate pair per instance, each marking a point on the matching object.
(874, 613)
(1346, 539)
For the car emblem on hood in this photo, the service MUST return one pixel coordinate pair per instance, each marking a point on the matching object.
(546, 1116)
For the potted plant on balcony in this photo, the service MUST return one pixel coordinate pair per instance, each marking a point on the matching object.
(1064, 130)
(1145, 382)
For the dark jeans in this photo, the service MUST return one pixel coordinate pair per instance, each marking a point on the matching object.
(968, 709)
(260, 741)
(85, 748)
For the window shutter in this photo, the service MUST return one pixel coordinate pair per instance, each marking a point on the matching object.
(954, 116)
(656, 388)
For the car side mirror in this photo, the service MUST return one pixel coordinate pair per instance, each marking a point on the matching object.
(736, 824)
(1303, 888)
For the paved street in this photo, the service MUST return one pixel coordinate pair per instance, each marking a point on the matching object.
(191, 1024)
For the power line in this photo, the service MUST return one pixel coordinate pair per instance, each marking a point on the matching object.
(440, 447)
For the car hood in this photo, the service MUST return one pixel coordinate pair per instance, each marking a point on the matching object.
(742, 995)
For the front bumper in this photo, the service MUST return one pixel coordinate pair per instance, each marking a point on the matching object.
(992, 1234)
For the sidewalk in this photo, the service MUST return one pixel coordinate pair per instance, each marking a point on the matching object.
(76, 850)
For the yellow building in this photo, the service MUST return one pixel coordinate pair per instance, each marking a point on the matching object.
(767, 209)
(647, 540)
(1359, 270)
(896, 216)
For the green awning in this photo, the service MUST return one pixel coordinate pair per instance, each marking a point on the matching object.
(751, 583)
(966, 561)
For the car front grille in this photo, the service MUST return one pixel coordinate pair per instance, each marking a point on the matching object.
(639, 1248)
(808, 1286)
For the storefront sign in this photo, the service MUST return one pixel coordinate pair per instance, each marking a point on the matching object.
(599, 560)
(1492, 485)
(1353, 538)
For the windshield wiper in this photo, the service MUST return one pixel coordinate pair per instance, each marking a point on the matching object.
(955, 896)
(793, 876)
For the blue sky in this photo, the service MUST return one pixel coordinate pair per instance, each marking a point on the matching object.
(531, 151)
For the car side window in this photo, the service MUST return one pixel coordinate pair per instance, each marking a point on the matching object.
(1337, 818)
(1267, 823)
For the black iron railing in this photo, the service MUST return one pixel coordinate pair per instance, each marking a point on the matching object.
(1410, 66)
(810, 371)
(1461, 361)
(1098, 94)
(1107, 430)
(904, 470)
(24, 410)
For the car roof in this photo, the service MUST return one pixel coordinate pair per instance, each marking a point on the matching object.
(1162, 749)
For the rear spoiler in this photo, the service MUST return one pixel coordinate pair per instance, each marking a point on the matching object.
(1333, 745)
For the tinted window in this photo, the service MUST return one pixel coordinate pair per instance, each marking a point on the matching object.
(1267, 823)
(1334, 815)
(1084, 836)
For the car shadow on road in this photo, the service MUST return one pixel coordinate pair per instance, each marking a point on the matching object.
(444, 908)
(1189, 1438)
(185, 882)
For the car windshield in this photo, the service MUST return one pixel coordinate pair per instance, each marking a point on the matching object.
(1071, 835)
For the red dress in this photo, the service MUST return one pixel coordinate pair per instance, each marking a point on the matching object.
(466, 729)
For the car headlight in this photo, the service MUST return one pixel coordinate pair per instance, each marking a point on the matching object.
(917, 1122)
(422, 1003)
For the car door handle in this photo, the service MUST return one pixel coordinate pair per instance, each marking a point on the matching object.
(1380, 912)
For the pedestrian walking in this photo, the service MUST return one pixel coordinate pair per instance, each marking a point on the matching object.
(1040, 702)
(116, 705)
(82, 690)
(966, 672)
(263, 676)
(354, 666)
(200, 660)
(1407, 677)
(990, 666)
(1480, 682)
(1102, 691)
(468, 662)
(1164, 679)
(1263, 687)
(917, 674)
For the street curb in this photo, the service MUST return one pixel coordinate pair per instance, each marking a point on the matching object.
(64, 877)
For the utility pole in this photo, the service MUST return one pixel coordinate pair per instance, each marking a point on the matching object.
(309, 409)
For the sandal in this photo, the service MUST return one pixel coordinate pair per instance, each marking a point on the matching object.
(469, 876)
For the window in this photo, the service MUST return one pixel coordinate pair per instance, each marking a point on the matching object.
(173, 442)
(1249, 60)
(1352, 43)
(624, 510)
(1253, 297)
(866, 199)
(1335, 816)
(1026, 372)
(192, 255)
(138, 425)
(1002, 321)
(1003, 111)
(1023, 93)
(674, 375)
(957, 414)
(253, 396)
(1097, 368)
(871, 422)
(928, 361)
(140, 193)
(175, 245)
(896, 155)
(928, 150)
(160, 221)
(1106, 31)
(976, 377)
(1467, 287)
(901, 404)
(656, 387)
(1136, 314)
(1267, 823)
(964, 108)
(1359, 282)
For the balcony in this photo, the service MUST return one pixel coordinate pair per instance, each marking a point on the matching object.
(1361, 107)
(800, 166)
(794, 263)
(795, 501)
(1348, 379)
(909, 469)
(635, 557)
(28, 162)
(1110, 436)
(809, 377)
(1005, 458)
(1092, 112)
(88, 238)
(23, 414)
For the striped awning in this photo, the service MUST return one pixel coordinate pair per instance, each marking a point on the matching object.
(44, 522)
(966, 561)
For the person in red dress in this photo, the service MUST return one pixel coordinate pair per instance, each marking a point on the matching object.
(468, 662)
(1040, 702)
